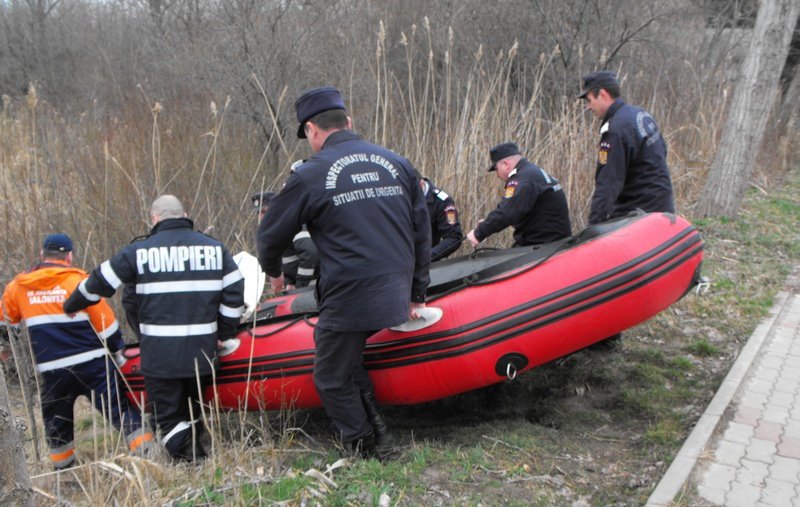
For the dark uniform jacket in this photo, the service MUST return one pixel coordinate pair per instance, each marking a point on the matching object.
(190, 294)
(365, 211)
(300, 262)
(631, 165)
(534, 203)
(446, 235)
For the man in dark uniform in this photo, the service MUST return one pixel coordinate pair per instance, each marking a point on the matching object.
(632, 156)
(300, 261)
(534, 202)
(366, 213)
(446, 235)
(190, 296)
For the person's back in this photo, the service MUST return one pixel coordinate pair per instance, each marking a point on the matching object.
(647, 183)
(365, 211)
(533, 201)
(178, 273)
(71, 351)
(361, 223)
(631, 170)
(189, 295)
(37, 295)
(548, 218)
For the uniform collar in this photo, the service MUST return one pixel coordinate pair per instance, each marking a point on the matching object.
(172, 223)
(427, 189)
(613, 108)
(340, 136)
(520, 164)
(51, 263)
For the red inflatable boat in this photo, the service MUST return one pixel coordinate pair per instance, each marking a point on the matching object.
(503, 312)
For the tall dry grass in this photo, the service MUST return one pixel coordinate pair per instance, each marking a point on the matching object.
(94, 176)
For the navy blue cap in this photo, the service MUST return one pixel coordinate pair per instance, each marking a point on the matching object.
(500, 152)
(262, 199)
(58, 242)
(597, 80)
(315, 101)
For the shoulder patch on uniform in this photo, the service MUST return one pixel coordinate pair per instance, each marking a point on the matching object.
(441, 194)
(452, 215)
(602, 153)
(511, 188)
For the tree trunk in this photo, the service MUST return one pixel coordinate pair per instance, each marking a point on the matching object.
(15, 484)
(790, 79)
(755, 92)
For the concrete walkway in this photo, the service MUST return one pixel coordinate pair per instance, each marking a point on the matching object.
(745, 449)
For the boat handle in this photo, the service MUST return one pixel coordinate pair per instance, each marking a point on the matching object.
(703, 285)
(511, 371)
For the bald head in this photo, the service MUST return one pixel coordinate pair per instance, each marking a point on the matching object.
(166, 206)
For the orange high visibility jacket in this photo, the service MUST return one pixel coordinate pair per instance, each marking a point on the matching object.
(59, 340)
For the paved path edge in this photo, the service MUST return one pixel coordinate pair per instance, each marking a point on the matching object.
(678, 472)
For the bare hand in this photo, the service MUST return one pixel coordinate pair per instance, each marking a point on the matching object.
(412, 314)
(472, 239)
(277, 284)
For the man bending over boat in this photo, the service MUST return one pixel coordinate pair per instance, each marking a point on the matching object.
(446, 235)
(533, 203)
(366, 213)
(300, 262)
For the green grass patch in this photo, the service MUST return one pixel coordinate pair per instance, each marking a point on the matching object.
(665, 432)
(702, 348)
(682, 364)
(650, 355)
(284, 489)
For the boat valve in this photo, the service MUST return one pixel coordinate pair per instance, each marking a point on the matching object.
(510, 364)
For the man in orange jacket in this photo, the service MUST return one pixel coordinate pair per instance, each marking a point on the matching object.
(71, 351)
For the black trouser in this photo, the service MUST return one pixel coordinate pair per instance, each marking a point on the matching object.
(60, 389)
(170, 401)
(340, 378)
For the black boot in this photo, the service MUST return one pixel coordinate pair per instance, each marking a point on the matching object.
(383, 437)
(364, 447)
(189, 453)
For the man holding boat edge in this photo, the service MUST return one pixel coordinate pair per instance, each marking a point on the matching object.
(366, 213)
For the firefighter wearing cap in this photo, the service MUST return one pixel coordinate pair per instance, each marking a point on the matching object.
(632, 170)
(71, 351)
(190, 296)
(533, 202)
(446, 235)
(300, 261)
(366, 213)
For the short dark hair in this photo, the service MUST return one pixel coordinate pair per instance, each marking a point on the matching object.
(55, 254)
(613, 91)
(331, 119)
